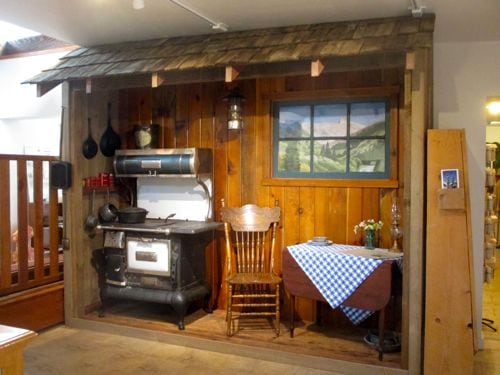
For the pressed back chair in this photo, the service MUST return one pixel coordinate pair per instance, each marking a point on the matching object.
(253, 288)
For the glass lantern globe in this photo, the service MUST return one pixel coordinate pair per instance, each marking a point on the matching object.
(234, 110)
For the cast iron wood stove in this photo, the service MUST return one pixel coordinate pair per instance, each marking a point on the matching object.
(163, 259)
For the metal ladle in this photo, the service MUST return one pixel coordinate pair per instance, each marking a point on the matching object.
(92, 220)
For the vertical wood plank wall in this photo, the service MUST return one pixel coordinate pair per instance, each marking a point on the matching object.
(194, 115)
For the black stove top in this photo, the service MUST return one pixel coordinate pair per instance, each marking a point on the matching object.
(162, 226)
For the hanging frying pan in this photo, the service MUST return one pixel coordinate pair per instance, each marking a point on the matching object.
(110, 141)
(89, 146)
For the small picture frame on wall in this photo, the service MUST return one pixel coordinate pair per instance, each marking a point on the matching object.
(449, 179)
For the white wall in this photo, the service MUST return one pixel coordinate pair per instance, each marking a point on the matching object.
(464, 75)
(28, 124)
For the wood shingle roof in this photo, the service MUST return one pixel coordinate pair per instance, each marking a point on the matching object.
(244, 48)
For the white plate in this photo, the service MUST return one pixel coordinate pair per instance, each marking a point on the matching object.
(319, 243)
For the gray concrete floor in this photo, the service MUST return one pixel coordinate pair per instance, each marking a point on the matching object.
(67, 351)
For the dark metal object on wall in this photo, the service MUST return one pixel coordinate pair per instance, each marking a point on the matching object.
(110, 141)
(60, 174)
(89, 146)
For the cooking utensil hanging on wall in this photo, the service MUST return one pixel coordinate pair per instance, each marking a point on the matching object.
(91, 221)
(89, 146)
(110, 141)
(107, 213)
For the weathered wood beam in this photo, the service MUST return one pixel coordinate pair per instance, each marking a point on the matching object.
(414, 203)
(43, 88)
(157, 79)
(317, 68)
(114, 83)
(232, 72)
(410, 61)
(289, 68)
(410, 67)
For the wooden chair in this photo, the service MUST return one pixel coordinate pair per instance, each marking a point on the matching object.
(253, 289)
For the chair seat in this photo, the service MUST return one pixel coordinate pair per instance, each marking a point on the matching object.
(254, 278)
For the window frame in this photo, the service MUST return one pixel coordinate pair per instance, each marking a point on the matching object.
(392, 93)
(348, 138)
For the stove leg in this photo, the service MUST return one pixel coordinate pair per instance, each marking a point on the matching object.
(97, 262)
(206, 304)
(179, 304)
(101, 312)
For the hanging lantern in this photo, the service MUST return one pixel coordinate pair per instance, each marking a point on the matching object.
(234, 110)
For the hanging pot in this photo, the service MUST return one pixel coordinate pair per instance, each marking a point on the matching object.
(107, 213)
(110, 141)
(91, 221)
(132, 215)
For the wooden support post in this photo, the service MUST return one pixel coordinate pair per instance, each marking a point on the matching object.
(232, 72)
(417, 99)
(410, 61)
(316, 68)
(88, 86)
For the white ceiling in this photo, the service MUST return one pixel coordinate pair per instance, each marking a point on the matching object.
(92, 22)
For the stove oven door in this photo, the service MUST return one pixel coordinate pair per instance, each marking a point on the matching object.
(148, 256)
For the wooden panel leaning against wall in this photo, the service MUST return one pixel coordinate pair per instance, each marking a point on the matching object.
(195, 115)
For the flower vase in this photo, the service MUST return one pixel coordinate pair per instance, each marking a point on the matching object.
(370, 239)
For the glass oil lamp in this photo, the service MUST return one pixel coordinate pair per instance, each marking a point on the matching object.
(396, 231)
(235, 110)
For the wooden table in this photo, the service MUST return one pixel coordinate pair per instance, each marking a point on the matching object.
(12, 342)
(373, 294)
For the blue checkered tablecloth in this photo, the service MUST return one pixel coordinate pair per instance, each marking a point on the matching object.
(337, 272)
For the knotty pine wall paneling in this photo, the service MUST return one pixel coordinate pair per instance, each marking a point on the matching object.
(182, 116)
(166, 115)
(195, 115)
(81, 289)
(220, 178)
(337, 215)
(249, 152)
(263, 134)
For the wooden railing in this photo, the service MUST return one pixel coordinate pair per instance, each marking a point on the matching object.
(25, 262)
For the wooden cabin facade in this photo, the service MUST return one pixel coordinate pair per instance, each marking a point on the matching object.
(180, 83)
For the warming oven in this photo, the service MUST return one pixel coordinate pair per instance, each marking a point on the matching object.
(161, 259)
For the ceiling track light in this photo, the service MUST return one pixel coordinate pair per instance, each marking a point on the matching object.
(417, 11)
(215, 25)
(138, 4)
